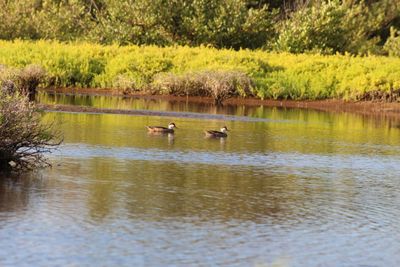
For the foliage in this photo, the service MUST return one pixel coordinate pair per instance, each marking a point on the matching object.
(334, 26)
(327, 26)
(272, 75)
(368, 23)
(221, 23)
(392, 45)
(315, 28)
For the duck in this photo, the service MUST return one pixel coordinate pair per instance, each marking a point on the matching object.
(213, 133)
(161, 129)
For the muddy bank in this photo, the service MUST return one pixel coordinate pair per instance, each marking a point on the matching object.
(171, 114)
(331, 105)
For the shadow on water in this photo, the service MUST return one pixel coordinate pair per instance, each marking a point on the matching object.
(16, 191)
(13, 197)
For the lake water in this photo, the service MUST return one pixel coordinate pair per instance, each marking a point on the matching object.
(287, 187)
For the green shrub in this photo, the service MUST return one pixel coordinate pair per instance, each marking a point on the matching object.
(392, 45)
(134, 64)
(336, 26)
(315, 28)
(357, 27)
(221, 23)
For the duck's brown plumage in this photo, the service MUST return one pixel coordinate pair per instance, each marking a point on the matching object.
(213, 133)
(161, 129)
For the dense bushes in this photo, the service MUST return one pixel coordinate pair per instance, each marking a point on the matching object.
(328, 26)
(315, 28)
(337, 26)
(220, 23)
(392, 46)
(166, 70)
(23, 138)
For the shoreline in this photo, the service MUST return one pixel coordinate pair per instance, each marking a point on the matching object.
(391, 109)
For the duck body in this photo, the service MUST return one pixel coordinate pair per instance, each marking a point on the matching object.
(217, 134)
(161, 129)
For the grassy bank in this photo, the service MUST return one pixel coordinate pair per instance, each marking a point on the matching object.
(181, 70)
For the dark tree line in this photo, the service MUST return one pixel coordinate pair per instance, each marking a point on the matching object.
(326, 26)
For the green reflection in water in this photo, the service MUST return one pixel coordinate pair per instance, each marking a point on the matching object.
(162, 189)
(291, 130)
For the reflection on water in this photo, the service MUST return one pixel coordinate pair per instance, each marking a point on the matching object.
(240, 111)
(304, 188)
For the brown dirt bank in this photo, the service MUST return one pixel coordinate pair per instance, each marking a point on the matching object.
(93, 110)
(376, 108)
(85, 109)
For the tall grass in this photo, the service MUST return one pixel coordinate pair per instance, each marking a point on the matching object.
(271, 75)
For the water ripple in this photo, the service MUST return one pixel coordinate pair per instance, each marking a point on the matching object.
(327, 165)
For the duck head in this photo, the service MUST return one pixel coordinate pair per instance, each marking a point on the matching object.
(172, 125)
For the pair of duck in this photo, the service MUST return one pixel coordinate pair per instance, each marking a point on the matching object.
(172, 126)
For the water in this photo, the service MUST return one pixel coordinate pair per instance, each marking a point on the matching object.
(288, 187)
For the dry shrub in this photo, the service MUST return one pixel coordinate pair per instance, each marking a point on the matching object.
(8, 78)
(222, 85)
(185, 85)
(125, 84)
(29, 79)
(24, 80)
(219, 85)
(381, 96)
(23, 138)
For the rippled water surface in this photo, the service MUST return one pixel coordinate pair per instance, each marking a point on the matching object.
(288, 187)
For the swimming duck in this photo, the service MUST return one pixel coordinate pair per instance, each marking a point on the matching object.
(160, 129)
(212, 133)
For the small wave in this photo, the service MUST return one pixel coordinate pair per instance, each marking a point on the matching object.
(275, 162)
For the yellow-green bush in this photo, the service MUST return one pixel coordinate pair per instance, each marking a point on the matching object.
(392, 45)
(273, 75)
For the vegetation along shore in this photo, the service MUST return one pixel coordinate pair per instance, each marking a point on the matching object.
(24, 139)
(294, 50)
(206, 71)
